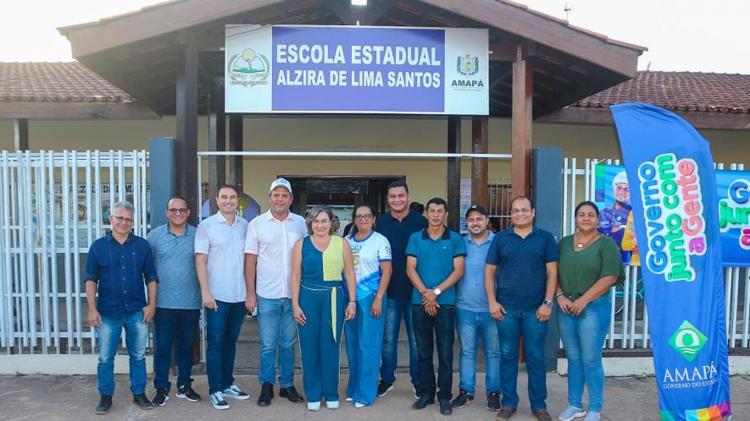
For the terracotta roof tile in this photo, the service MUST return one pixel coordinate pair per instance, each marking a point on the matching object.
(56, 82)
(679, 91)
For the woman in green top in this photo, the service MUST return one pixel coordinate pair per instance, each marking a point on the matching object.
(589, 266)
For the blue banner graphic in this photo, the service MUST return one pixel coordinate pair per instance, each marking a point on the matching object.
(612, 195)
(673, 193)
(356, 69)
(734, 216)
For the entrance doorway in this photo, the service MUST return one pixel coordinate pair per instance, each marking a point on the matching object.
(341, 193)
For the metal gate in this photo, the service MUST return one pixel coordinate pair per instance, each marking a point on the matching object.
(53, 205)
(629, 327)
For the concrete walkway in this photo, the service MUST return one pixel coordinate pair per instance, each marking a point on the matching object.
(74, 398)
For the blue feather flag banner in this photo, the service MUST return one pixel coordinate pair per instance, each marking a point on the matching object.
(673, 194)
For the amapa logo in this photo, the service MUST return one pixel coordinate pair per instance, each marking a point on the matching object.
(688, 341)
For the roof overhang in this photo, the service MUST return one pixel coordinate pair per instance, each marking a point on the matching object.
(602, 116)
(140, 51)
(75, 110)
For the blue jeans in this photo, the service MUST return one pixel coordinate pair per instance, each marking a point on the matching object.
(583, 338)
(471, 325)
(395, 310)
(515, 325)
(364, 340)
(431, 331)
(222, 330)
(174, 327)
(278, 336)
(136, 336)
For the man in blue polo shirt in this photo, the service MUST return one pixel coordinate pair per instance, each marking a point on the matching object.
(397, 225)
(520, 282)
(434, 263)
(179, 303)
(117, 268)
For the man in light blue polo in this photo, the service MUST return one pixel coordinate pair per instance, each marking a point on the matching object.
(434, 263)
(179, 302)
(473, 319)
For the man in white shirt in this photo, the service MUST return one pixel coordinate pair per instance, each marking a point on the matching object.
(268, 272)
(219, 245)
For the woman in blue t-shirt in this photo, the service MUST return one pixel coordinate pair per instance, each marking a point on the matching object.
(364, 334)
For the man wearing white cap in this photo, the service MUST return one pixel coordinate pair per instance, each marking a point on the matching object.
(268, 260)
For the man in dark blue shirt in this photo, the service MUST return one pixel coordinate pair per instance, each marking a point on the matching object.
(117, 267)
(397, 225)
(520, 282)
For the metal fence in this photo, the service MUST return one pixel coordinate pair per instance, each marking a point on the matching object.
(629, 327)
(53, 205)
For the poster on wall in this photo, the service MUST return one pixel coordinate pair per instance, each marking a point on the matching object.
(356, 69)
(612, 195)
(734, 216)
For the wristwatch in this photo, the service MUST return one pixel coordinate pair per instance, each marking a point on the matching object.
(549, 303)
(437, 291)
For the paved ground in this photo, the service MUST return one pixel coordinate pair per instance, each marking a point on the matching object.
(74, 398)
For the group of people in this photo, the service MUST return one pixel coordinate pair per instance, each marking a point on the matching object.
(307, 282)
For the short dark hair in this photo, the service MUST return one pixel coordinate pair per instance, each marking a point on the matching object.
(522, 197)
(587, 203)
(354, 228)
(397, 183)
(417, 207)
(437, 201)
(176, 196)
(228, 186)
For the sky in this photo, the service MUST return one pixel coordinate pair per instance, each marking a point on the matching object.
(681, 35)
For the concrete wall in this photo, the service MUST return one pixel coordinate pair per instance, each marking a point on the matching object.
(426, 177)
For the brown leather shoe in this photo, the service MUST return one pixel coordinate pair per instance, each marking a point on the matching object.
(505, 413)
(542, 415)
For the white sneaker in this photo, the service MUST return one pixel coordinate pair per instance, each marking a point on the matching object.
(570, 413)
(235, 392)
(217, 400)
(313, 406)
(359, 405)
(349, 399)
(332, 404)
(592, 416)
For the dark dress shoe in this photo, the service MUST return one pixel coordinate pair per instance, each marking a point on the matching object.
(505, 413)
(142, 401)
(542, 414)
(105, 404)
(266, 394)
(291, 394)
(445, 407)
(422, 402)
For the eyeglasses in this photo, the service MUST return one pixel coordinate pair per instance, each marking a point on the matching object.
(324, 222)
(121, 219)
(363, 217)
(521, 210)
(177, 210)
